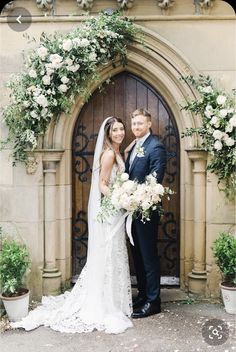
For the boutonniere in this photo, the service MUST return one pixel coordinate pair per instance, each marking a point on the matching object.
(140, 151)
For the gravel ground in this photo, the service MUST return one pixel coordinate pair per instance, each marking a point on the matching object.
(177, 329)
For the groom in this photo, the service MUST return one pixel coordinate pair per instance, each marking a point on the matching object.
(148, 155)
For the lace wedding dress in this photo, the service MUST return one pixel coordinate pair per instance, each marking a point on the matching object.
(101, 298)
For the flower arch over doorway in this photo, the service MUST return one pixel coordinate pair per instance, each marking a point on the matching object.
(161, 65)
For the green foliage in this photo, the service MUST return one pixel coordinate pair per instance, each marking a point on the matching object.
(57, 71)
(14, 261)
(218, 129)
(224, 250)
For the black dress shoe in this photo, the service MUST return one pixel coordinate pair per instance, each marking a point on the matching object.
(138, 301)
(148, 309)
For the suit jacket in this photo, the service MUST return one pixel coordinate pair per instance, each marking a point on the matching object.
(153, 160)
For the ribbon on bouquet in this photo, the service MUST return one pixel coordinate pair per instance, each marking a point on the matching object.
(128, 227)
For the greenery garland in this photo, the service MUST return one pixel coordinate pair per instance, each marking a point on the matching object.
(218, 129)
(57, 72)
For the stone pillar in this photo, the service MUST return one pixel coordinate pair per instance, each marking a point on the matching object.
(198, 276)
(51, 275)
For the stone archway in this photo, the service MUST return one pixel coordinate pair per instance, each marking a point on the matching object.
(161, 65)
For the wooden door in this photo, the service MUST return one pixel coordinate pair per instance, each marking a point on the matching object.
(121, 97)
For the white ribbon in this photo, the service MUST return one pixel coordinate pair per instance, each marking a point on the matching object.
(120, 223)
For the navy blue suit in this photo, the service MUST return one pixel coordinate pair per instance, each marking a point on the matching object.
(144, 251)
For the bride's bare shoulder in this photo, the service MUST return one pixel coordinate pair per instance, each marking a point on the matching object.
(108, 156)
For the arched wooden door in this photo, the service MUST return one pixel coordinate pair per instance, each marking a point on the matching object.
(121, 97)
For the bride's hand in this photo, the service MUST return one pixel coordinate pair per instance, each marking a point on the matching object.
(127, 149)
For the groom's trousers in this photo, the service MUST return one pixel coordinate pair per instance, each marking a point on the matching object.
(145, 256)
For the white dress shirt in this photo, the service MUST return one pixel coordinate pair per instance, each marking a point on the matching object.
(139, 143)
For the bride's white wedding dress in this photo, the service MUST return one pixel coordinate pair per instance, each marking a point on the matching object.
(101, 298)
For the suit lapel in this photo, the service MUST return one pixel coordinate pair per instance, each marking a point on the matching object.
(145, 144)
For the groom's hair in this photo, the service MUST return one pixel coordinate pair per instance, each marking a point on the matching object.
(143, 112)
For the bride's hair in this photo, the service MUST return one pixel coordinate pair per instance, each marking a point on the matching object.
(107, 133)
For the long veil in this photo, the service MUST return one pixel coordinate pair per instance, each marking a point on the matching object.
(85, 308)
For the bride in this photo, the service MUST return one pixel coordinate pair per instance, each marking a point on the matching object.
(101, 298)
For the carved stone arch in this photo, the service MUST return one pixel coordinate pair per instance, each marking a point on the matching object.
(161, 65)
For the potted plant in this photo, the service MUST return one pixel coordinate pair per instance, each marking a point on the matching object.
(14, 262)
(224, 251)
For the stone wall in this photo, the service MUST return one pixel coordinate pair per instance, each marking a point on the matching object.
(202, 40)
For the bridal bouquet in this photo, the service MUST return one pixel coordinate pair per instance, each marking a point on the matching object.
(133, 198)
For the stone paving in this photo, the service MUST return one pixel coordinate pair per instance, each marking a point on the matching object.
(177, 329)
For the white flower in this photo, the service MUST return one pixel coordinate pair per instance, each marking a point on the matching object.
(42, 52)
(229, 128)
(49, 70)
(232, 121)
(215, 121)
(207, 89)
(46, 80)
(42, 100)
(159, 189)
(37, 91)
(102, 51)
(55, 57)
(26, 104)
(92, 56)
(84, 42)
(124, 177)
(218, 145)
(218, 134)
(67, 44)
(129, 186)
(32, 73)
(223, 112)
(73, 68)
(69, 62)
(221, 99)
(63, 88)
(34, 114)
(140, 151)
(229, 142)
(146, 205)
(64, 79)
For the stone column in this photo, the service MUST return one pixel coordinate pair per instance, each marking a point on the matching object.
(198, 276)
(51, 275)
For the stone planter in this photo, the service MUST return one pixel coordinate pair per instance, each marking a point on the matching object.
(16, 307)
(229, 298)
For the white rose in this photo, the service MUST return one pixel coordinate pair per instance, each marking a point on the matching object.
(218, 145)
(73, 68)
(67, 44)
(229, 128)
(55, 57)
(32, 73)
(232, 121)
(42, 101)
(221, 99)
(159, 189)
(42, 52)
(63, 88)
(84, 42)
(223, 112)
(92, 56)
(46, 80)
(217, 134)
(215, 121)
(129, 186)
(26, 104)
(229, 142)
(69, 62)
(146, 205)
(64, 79)
(207, 89)
(124, 177)
(49, 71)
(33, 114)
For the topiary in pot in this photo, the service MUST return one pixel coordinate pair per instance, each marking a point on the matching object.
(224, 251)
(14, 262)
